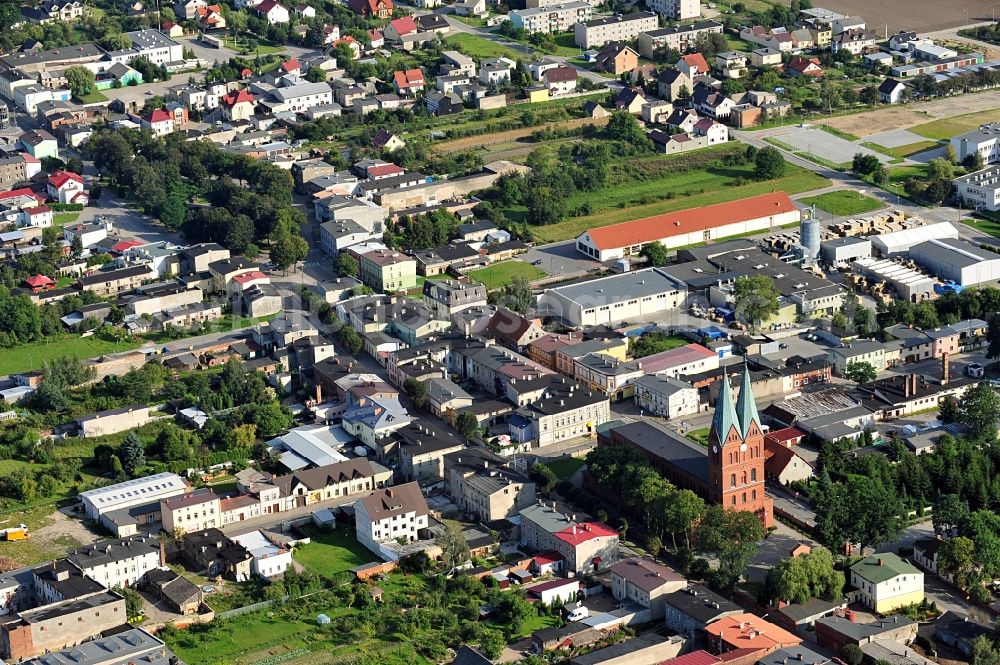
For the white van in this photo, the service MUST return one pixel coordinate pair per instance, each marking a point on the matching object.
(578, 614)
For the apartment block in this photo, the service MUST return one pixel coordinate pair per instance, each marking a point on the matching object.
(619, 28)
(551, 18)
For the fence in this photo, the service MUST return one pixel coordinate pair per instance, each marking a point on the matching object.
(239, 611)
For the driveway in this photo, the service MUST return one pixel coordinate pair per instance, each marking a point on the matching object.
(559, 258)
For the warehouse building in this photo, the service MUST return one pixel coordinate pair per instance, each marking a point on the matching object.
(909, 284)
(690, 227)
(632, 296)
(899, 243)
(958, 261)
(841, 251)
(980, 190)
(130, 493)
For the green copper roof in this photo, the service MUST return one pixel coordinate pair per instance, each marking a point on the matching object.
(883, 567)
(725, 412)
(746, 406)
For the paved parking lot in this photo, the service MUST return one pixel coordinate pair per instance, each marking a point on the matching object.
(559, 258)
(895, 138)
(823, 144)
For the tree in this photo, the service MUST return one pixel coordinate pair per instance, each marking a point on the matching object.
(350, 339)
(656, 253)
(732, 537)
(454, 548)
(860, 372)
(81, 81)
(852, 653)
(515, 296)
(346, 265)
(116, 467)
(860, 510)
(623, 126)
(132, 454)
(984, 652)
(316, 75)
(993, 336)
(116, 42)
(654, 545)
(133, 601)
(682, 511)
(950, 512)
(768, 164)
(980, 410)
(417, 391)
(956, 557)
(467, 424)
(289, 247)
(755, 298)
(812, 575)
(544, 478)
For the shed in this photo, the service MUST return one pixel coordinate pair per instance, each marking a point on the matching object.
(322, 620)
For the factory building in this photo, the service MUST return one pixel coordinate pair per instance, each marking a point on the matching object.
(957, 261)
(898, 243)
(909, 284)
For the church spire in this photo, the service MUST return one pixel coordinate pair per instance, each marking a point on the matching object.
(746, 406)
(725, 412)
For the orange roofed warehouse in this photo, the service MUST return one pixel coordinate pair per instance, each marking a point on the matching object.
(688, 227)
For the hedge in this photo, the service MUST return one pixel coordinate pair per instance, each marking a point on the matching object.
(66, 207)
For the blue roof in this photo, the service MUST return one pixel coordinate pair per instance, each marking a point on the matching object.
(725, 412)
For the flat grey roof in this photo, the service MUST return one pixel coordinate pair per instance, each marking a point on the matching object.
(956, 252)
(614, 288)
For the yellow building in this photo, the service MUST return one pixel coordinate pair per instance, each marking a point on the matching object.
(538, 93)
(886, 582)
(388, 271)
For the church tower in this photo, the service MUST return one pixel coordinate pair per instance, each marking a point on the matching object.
(736, 452)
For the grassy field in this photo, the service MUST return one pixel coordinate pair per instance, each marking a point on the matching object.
(332, 552)
(844, 203)
(566, 45)
(900, 174)
(495, 276)
(647, 186)
(565, 467)
(31, 356)
(847, 136)
(63, 218)
(480, 47)
(903, 150)
(699, 436)
(987, 225)
(94, 97)
(263, 46)
(945, 128)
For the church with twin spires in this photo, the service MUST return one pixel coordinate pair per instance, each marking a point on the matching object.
(732, 472)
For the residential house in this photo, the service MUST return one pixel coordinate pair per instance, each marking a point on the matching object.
(408, 82)
(804, 67)
(387, 271)
(272, 11)
(835, 632)
(617, 58)
(210, 552)
(958, 632)
(886, 582)
(484, 485)
(632, 100)
(560, 80)
(673, 84)
(66, 187)
(857, 42)
(389, 514)
(665, 396)
(692, 65)
(117, 563)
(194, 511)
(586, 546)
(645, 582)
(891, 91)
(237, 105)
(765, 57)
(732, 64)
(747, 631)
(689, 611)
(496, 70)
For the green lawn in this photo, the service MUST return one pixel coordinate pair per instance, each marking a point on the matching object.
(263, 46)
(700, 436)
(844, 203)
(63, 218)
(945, 128)
(903, 150)
(847, 136)
(474, 21)
(332, 552)
(498, 274)
(94, 97)
(900, 174)
(649, 186)
(31, 356)
(565, 467)
(566, 45)
(480, 47)
(987, 225)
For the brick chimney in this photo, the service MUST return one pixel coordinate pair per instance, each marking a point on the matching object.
(945, 369)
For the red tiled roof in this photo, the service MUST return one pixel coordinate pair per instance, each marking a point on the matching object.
(557, 74)
(696, 60)
(291, 65)
(786, 434)
(693, 658)
(266, 6)
(546, 558)
(404, 26)
(249, 277)
(581, 533)
(30, 158)
(670, 224)
(234, 98)
(552, 584)
(60, 178)
(385, 170)
(125, 244)
(407, 78)
(24, 191)
(682, 355)
(776, 457)
(159, 115)
(38, 280)
(38, 210)
(747, 631)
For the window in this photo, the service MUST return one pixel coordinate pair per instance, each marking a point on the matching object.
(753, 475)
(732, 480)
